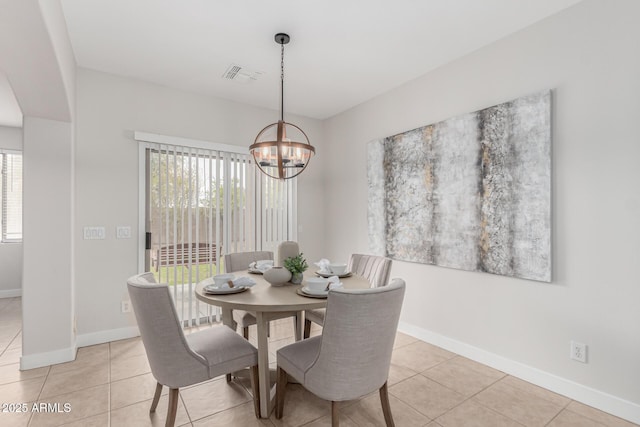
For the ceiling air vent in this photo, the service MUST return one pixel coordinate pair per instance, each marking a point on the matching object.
(240, 74)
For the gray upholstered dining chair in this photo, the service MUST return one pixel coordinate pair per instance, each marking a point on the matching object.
(286, 249)
(178, 360)
(240, 261)
(352, 356)
(375, 269)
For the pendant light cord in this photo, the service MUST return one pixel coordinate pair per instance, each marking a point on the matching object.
(282, 82)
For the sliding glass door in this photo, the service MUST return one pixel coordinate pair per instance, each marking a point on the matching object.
(202, 203)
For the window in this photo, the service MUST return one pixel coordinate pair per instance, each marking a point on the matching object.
(11, 196)
(203, 201)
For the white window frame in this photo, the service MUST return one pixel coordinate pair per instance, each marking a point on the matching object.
(3, 200)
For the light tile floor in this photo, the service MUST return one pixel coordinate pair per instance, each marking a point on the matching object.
(111, 385)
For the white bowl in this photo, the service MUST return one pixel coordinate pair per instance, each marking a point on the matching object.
(338, 268)
(277, 276)
(316, 283)
(221, 279)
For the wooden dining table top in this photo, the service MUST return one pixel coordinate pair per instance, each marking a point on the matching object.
(267, 298)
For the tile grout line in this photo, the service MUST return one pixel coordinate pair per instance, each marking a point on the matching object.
(580, 415)
(455, 406)
(109, 390)
(223, 410)
(593, 419)
(351, 419)
(562, 410)
(403, 345)
(40, 392)
(471, 397)
(185, 408)
(506, 416)
(407, 403)
(554, 417)
(542, 388)
(10, 342)
(311, 421)
(108, 384)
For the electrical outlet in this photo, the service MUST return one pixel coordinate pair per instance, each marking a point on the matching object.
(125, 306)
(578, 352)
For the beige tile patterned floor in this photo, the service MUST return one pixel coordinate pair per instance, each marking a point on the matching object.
(111, 385)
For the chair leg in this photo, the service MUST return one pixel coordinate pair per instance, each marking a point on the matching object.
(298, 327)
(335, 414)
(245, 334)
(281, 387)
(386, 408)
(307, 328)
(173, 407)
(156, 398)
(255, 389)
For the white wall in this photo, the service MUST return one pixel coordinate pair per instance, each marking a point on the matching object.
(43, 83)
(11, 138)
(588, 56)
(47, 308)
(10, 253)
(109, 110)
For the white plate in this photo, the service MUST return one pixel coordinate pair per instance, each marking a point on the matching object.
(322, 296)
(347, 274)
(306, 290)
(254, 271)
(211, 289)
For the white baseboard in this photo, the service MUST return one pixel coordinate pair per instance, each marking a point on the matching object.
(101, 337)
(68, 354)
(10, 293)
(581, 393)
(39, 360)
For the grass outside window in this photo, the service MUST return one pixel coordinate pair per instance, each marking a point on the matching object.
(169, 274)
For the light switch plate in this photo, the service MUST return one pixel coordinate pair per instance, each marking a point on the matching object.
(94, 233)
(123, 232)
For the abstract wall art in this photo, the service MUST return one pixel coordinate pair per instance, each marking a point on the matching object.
(472, 192)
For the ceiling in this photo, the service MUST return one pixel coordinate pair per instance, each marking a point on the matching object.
(342, 52)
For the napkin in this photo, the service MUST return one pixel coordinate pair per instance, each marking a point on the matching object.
(334, 282)
(261, 265)
(245, 282)
(323, 265)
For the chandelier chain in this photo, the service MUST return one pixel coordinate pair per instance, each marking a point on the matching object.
(282, 82)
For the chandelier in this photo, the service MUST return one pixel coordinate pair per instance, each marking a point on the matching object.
(282, 150)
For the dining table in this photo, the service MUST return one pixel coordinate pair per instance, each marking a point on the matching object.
(268, 302)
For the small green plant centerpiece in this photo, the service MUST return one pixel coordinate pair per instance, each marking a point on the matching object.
(296, 265)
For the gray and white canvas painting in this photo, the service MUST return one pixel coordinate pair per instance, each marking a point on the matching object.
(471, 192)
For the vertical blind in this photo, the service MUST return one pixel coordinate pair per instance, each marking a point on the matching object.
(11, 195)
(202, 204)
